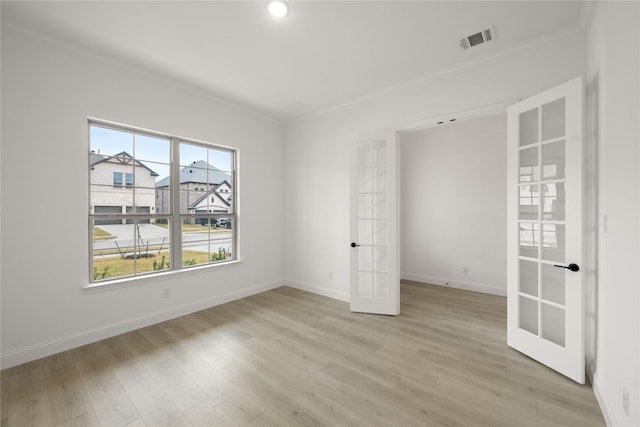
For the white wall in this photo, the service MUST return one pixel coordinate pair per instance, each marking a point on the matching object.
(614, 109)
(453, 204)
(317, 147)
(47, 93)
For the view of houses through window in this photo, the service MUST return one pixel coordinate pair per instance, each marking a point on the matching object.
(157, 203)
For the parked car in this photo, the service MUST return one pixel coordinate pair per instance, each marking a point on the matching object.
(223, 223)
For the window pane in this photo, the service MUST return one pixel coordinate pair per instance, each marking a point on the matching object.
(109, 142)
(196, 241)
(221, 191)
(222, 235)
(221, 160)
(152, 149)
(114, 250)
(117, 179)
(206, 240)
(191, 154)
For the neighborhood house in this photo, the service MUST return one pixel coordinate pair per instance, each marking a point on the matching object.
(112, 186)
(203, 188)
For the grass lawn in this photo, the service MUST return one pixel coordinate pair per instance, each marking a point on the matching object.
(100, 234)
(118, 267)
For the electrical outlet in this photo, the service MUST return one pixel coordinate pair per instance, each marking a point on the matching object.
(625, 400)
(166, 292)
(465, 270)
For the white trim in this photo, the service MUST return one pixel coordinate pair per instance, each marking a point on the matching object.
(605, 408)
(156, 277)
(318, 290)
(457, 284)
(47, 348)
(460, 115)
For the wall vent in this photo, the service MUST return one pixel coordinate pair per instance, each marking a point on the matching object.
(478, 38)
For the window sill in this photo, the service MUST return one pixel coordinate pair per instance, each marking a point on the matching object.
(157, 277)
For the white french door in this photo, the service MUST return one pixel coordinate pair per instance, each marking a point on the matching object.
(375, 277)
(544, 271)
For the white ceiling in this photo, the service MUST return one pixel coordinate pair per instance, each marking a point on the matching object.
(322, 55)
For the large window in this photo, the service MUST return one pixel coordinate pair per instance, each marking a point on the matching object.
(158, 203)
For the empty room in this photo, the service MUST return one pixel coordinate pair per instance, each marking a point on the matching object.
(368, 213)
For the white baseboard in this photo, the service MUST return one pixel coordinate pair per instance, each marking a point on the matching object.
(468, 286)
(331, 293)
(37, 351)
(605, 408)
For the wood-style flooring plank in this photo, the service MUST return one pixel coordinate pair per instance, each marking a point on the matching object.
(289, 357)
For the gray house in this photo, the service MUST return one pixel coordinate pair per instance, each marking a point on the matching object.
(203, 189)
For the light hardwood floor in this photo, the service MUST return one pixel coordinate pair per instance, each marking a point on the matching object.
(287, 357)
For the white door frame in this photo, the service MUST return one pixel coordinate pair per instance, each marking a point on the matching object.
(472, 113)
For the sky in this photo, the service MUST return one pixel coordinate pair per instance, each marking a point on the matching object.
(153, 151)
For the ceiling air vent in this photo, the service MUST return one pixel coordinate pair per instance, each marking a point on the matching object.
(478, 38)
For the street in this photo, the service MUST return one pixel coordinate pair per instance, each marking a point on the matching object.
(155, 237)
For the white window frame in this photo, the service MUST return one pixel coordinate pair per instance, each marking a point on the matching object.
(175, 217)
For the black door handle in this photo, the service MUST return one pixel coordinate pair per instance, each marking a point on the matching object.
(353, 244)
(572, 267)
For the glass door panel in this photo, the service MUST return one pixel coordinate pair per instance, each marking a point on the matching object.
(529, 315)
(553, 242)
(529, 201)
(529, 239)
(380, 206)
(529, 165)
(529, 127)
(553, 324)
(553, 283)
(553, 201)
(529, 277)
(553, 161)
(553, 119)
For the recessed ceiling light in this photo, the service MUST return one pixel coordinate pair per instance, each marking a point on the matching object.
(277, 9)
